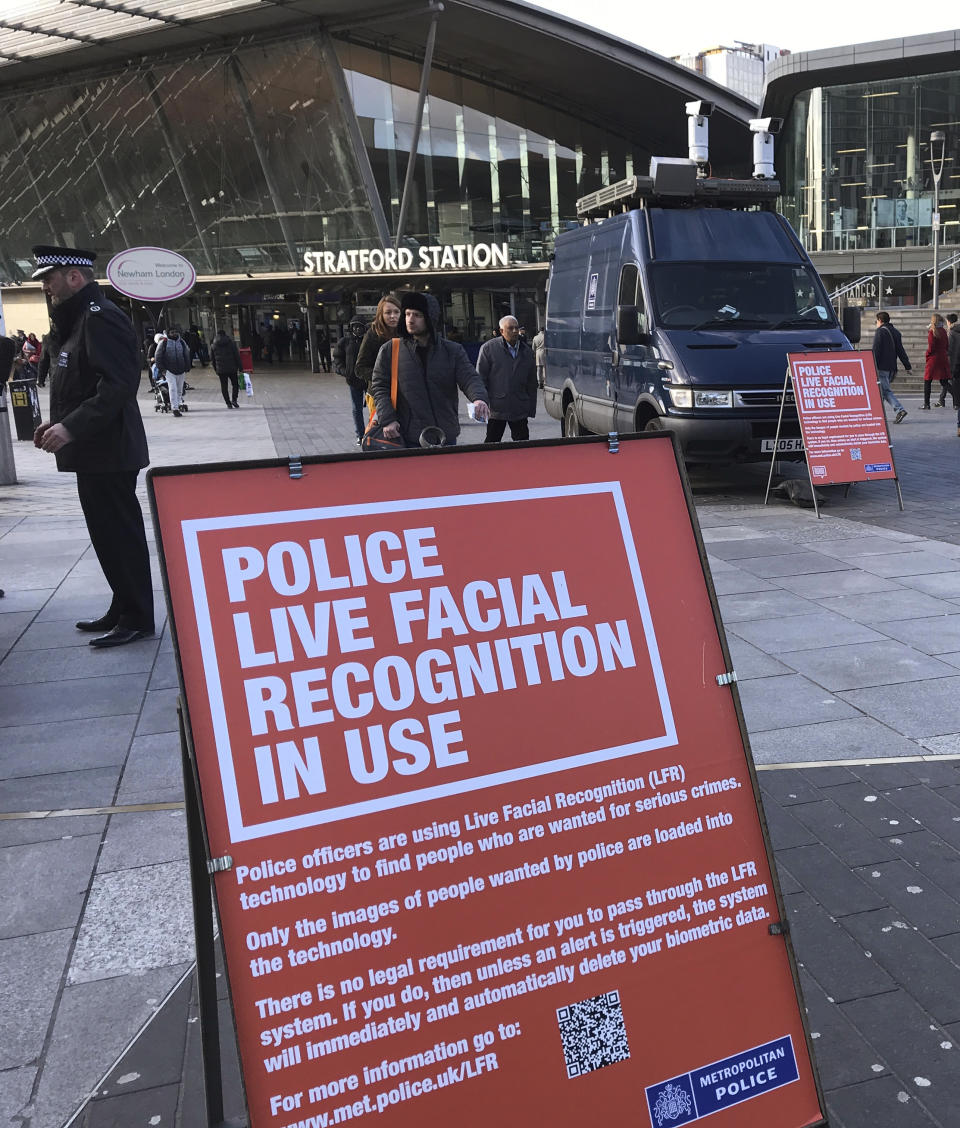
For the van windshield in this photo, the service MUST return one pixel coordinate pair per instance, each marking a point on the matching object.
(754, 295)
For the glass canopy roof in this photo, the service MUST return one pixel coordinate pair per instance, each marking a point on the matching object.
(30, 29)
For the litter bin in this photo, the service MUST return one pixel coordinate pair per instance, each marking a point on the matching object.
(246, 359)
(26, 406)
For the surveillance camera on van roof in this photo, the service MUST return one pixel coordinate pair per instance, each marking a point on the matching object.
(771, 125)
(701, 108)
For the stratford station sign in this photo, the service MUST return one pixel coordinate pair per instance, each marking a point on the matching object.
(484, 826)
(454, 256)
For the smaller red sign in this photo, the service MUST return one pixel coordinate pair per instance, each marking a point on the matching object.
(841, 417)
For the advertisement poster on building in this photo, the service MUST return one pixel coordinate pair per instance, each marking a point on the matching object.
(475, 756)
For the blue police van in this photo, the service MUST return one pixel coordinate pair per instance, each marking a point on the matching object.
(677, 309)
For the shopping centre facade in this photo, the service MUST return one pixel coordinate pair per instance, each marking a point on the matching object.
(271, 149)
(854, 160)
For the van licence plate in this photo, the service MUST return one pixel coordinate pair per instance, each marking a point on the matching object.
(781, 446)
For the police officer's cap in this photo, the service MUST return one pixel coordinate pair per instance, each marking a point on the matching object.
(56, 258)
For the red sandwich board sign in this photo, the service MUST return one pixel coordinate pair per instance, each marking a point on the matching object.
(475, 777)
(842, 421)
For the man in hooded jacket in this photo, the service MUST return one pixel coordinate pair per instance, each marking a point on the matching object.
(430, 371)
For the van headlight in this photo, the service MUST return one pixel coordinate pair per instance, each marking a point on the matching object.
(713, 399)
(682, 397)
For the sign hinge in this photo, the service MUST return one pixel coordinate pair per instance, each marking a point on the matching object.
(613, 442)
(779, 928)
(728, 678)
(296, 468)
(219, 865)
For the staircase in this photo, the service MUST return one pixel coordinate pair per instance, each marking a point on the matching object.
(913, 322)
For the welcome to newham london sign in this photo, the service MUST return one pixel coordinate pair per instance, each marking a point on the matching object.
(455, 256)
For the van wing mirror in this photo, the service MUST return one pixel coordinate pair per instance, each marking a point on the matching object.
(630, 326)
(851, 324)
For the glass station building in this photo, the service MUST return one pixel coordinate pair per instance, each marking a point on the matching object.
(854, 160)
(271, 148)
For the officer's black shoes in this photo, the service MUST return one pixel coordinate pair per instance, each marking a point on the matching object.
(104, 623)
(120, 636)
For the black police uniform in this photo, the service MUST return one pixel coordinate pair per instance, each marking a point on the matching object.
(94, 377)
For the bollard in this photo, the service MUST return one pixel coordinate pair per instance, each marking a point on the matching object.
(8, 469)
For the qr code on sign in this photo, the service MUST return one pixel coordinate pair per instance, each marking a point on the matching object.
(593, 1034)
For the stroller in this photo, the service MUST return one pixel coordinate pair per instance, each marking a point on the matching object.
(158, 382)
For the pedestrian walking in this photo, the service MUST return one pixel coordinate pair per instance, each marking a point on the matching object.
(885, 361)
(509, 371)
(46, 360)
(172, 359)
(937, 366)
(95, 431)
(227, 364)
(345, 356)
(430, 371)
(540, 356)
(323, 348)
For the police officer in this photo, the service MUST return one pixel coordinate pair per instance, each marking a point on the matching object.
(95, 431)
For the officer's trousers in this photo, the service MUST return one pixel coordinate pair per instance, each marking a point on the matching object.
(115, 524)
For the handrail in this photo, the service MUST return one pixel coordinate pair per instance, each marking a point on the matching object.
(835, 295)
(952, 261)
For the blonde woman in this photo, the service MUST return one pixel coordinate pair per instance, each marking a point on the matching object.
(384, 328)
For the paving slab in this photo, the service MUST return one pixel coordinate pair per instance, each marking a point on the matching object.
(842, 1055)
(920, 561)
(58, 791)
(50, 746)
(897, 1027)
(831, 955)
(777, 702)
(885, 606)
(829, 740)
(752, 547)
(764, 605)
(32, 969)
(159, 712)
(917, 709)
(883, 1101)
(864, 664)
(813, 586)
(19, 832)
(36, 666)
(135, 920)
(153, 772)
(143, 838)
(15, 1088)
(911, 958)
(804, 632)
(917, 898)
(45, 885)
(791, 564)
(82, 697)
(80, 1051)
(835, 886)
(751, 662)
(939, 635)
(843, 835)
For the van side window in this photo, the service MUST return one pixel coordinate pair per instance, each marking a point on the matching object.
(631, 292)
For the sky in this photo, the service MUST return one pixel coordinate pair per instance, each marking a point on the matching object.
(694, 25)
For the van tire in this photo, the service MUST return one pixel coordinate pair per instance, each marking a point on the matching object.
(654, 424)
(571, 424)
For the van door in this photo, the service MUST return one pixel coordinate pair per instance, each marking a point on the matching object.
(598, 339)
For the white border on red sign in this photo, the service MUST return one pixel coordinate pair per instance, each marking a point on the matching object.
(833, 410)
(239, 831)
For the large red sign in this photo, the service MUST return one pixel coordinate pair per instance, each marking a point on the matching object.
(496, 854)
(841, 417)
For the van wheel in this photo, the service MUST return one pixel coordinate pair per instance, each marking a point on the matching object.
(571, 425)
(654, 424)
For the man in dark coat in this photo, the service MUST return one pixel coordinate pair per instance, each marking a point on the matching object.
(430, 371)
(95, 431)
(885, 359)
(345, 356)
(508, 367)
(227, 365)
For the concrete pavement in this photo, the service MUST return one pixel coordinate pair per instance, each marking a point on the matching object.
(845, 633)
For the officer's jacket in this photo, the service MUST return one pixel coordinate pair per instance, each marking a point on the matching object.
(94, 377)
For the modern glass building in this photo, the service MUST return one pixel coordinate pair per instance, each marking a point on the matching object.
(857, 162)
(273, 148)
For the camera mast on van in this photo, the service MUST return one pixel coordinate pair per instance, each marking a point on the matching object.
(676, 303)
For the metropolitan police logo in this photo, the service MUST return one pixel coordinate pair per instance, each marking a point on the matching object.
(672, 1103)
